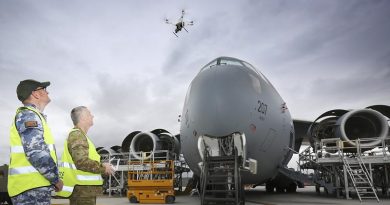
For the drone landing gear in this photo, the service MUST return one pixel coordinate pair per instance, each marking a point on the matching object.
(175, 34)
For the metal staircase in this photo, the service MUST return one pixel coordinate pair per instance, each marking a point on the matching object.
(361, 179)
(221, 181)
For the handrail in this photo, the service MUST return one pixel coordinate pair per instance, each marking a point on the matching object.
(309, 159)
(341, 145)
(351, 175)
(368, 176)
(204, 172)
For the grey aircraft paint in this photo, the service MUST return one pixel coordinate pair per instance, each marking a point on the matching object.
(229, 95)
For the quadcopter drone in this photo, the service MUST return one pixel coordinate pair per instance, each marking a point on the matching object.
(181, 24)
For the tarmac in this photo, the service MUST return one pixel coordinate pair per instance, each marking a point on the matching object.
(258, 195)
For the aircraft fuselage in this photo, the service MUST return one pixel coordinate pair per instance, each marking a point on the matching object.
(227, 96)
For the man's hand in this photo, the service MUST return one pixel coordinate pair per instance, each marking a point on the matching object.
(109, 169)
(58, 186)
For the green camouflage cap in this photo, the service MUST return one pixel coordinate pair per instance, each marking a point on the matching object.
(26, 87)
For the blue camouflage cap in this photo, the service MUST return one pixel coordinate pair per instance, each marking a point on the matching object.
(26, 87)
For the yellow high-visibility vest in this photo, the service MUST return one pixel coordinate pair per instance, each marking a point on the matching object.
(69, 173)
(22, 176)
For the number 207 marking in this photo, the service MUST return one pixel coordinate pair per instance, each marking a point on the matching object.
(262, 108)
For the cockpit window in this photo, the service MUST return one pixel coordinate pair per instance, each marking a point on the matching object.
(228, 61)
(232, 61)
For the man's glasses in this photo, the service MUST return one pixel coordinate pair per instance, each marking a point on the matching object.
(43, 88)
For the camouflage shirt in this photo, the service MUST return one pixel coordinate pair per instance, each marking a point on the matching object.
(78, 148)
(37, 151)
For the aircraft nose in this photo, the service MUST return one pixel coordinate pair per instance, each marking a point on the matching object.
(222, 99)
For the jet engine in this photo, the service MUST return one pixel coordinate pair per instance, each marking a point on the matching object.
(105, 151)
(370, 125)
(111, 153)
(158, 139)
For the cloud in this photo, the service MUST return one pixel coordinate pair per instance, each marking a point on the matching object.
(122, 61)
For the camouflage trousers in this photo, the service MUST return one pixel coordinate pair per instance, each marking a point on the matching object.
(38, 196)
(82, 200)
(84, 195)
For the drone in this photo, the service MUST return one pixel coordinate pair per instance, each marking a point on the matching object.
(181, 24)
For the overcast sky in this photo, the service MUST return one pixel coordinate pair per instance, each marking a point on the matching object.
(122, 61)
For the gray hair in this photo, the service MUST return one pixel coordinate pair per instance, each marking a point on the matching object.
(76, 113)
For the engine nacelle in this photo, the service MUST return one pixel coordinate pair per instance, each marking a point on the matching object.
(362, 124)
(105, 151)
(158, 139)
(369, 124)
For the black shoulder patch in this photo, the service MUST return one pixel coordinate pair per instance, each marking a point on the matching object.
(30, 124)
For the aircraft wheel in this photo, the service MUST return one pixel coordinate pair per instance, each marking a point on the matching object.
(133, 199)
(292, 188)
(169, 199)
(269, 188)
(280, 189)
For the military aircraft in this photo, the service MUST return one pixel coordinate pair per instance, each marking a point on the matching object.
(180, 24)
(232, 109)
(230, 102)
(229, 97)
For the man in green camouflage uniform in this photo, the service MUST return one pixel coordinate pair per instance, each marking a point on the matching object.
(78, 148)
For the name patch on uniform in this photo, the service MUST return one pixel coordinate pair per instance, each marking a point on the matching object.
(30, 124)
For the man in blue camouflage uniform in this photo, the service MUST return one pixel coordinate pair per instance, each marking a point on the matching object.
(31, 128)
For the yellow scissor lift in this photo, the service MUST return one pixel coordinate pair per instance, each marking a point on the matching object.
(150, 177)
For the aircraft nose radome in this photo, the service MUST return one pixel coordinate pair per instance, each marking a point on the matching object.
(222, 98)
